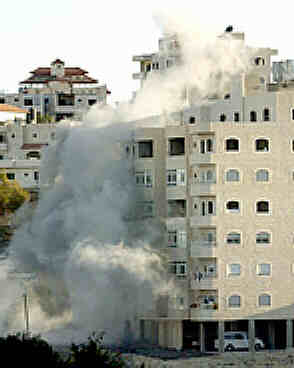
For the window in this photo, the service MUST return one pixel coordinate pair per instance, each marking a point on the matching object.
(206, 145)
(36, 175)
(253, 116)
(263, 237)
(2, 100)
(222, 117)
(145, 149)
(176, 208)
(233, 206)
(28, 102)
(262, 145)
(263, 269)
(292, 113)
(266, 114)
(208, 238)
(146, 209)
(259, 61)
(92, 102)
(35, 135)
(234, 238)
(192, 120)
(13, 135)
(227, 96)
(262, 175)
(232, 145)
(33, 155)
(236, 116)
(208, 207)
(65, 100)
(232, 175)
(234, 269)
(177, 238)
(262, 207)
(235, 301)
(292, 145)
(178, 268)
(176, 146)
(26, 174)
(176, 177)
(10, 176)
(144, 178)
(264, 300)
(207, 176)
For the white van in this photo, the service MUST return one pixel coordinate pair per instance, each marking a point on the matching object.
(238, 340)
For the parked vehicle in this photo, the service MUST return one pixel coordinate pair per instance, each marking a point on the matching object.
(238, 340)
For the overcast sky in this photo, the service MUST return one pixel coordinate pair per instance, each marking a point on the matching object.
(101, 36)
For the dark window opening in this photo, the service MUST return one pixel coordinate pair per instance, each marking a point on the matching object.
(16, 100)
(233, 206)
(266, 115)
(292, 114)
(262, 207)
(259, 61)
(236, 116)
(176, 208)
(92, 102)
(234, 238)
(148, 67)
(232, 144)
(1, 157)
(10, 176)
(33, 155)
(36, 175)
(28, 102)
(2, 100)
(222, 117)
(227, 96)
(176, 146)
(145, 149)
(12, 135)
(262, 145)
(62, 116)
(253, 116)
(2, 138)
(66, 100)
(192, 120)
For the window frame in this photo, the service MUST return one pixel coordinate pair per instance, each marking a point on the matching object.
(263, 213)
(230, 273)
(269, 114)
(259, 139)
(263, 232)
(264, 305)
(147, 176)
(234, 150)
(262, 274)
(233, 242)
(233, 211)
(262, 169)
(237, 306)
(253, 116)
(232, 181)
(179, 175)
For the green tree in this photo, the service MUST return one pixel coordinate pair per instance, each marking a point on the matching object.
(12, 196)
(93, 354)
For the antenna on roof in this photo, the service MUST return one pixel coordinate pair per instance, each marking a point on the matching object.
(229, 29)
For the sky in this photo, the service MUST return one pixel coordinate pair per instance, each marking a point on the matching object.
(102, 36)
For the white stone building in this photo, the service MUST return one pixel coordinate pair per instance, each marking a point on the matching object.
(221, 178)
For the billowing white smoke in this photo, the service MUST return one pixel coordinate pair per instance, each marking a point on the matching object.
(98, 268)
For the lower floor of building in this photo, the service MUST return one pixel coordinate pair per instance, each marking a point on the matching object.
(206, 336)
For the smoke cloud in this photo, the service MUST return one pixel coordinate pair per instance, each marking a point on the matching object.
(97, 263)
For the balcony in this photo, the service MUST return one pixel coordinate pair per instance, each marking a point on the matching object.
(201, 188)
(205, 311)
(202, 249)
(202, 158)
(197, 220)
(207, 282)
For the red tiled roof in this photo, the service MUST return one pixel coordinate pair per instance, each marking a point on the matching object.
(29, 146)
(10, 108)
(68, 71)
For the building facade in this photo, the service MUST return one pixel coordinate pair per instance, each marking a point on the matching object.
(220, 177)
(57, 92)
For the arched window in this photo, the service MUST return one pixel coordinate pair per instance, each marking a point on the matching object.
(266, 114)
(232, 145)
(263, 237)
(209, 176)
(262, 145)
(264, 300)
(234, 301)
(232, 175)
(262, 175)
(234, 238)
(262, 207)
(259, 61)
(253, 116)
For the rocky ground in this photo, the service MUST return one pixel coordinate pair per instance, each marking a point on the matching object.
(265, 359)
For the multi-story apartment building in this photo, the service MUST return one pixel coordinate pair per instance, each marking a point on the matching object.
(220, 176)
(57, 92)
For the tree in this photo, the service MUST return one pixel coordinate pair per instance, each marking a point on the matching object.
(29, 351)
(93, 354)
(12, 196)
